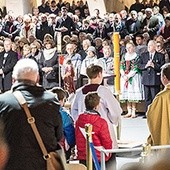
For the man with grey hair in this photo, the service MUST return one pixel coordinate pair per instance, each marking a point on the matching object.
(133, 25)
(8, 59)
(150, 24)
(25, 152)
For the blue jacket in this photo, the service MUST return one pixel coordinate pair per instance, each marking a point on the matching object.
(68, 127)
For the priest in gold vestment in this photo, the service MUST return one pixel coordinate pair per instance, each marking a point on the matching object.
(158, 114)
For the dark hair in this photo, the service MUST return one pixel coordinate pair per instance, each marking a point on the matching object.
(1, 44)
(53, 1)
(49, 41)
(61, 94)
(166, 70)
(140, 35)
(92, 99)
(93, 70)
(63, 8)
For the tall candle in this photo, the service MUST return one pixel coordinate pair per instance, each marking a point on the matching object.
(116, 62)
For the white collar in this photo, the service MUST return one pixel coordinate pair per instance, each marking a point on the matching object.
(130, 56)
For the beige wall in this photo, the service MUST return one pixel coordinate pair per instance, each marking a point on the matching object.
(2, 3)
(114, 5)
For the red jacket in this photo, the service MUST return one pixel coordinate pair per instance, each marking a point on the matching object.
(100, 136)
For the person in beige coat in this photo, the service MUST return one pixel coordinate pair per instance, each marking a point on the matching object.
(28, 28)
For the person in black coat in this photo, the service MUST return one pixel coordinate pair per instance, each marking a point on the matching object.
(25, 152)
(137, 6)
(43, 8)
(53, 9)
(150, 24)
(11, 28)
(163, 4)
(43, 28)
(150, 64)
(133, 25)
(8, 59)
(65, 24)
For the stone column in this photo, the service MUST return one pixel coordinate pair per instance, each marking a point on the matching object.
(19, 7)
(2, 3)
(96, 4)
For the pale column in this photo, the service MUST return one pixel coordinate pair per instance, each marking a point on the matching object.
(38, 2)
(97, 4)
(19, 7)
(2, 3)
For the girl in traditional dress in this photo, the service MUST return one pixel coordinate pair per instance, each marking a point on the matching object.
(69, 77)
(131, 86)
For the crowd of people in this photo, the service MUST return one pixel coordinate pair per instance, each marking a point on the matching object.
(80, 70)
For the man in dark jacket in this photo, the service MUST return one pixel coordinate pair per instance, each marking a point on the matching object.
(11, 28)
(25, 152)
(43, 8)
(65, 24)
(43, 28)
(8, 59)
(150, 24)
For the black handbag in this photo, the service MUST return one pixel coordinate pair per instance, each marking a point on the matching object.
(52, 75)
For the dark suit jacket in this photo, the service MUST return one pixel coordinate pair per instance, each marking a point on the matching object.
(68, 23)
(43, 29)
(151, 76)
(7, 67)
(164, 3)
(25, 152)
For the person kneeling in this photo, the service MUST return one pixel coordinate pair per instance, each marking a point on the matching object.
(100, 136)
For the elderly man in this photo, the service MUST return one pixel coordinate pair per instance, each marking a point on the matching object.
(8, 59)
(107, 64)
(150, 64)
(151, 23)
(25, 152)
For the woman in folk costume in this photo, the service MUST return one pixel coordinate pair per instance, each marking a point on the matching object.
(131, 86)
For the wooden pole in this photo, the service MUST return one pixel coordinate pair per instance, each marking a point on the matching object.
(88, 129)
